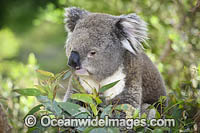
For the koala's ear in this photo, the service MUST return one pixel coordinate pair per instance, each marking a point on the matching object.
(132, 32)
(72, 16)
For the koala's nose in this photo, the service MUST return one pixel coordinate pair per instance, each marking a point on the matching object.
(74, 60)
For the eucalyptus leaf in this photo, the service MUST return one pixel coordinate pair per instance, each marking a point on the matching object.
(82, 97)
(43, 99)
(82, 109)
(28, 92)
(47, 103)
(34, 130)
(88, 129)
(123, 107)
(127, 108)
(69, 107)
(94, 109)
(157, 114)
(96, 98)
(76, 84)
(144, 116)
(45, 73)
(67, 75)
(108, 86)
(42, 89)
(34, 109)
(56, 108)
(99, 130)
(82, 115)
(136, 114)
(113, 130)
(106, 111)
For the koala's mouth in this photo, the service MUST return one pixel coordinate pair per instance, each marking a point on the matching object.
(82, 72)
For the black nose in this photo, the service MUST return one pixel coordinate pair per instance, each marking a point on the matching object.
(74, 60)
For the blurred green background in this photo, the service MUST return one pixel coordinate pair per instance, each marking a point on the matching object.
(32, 36)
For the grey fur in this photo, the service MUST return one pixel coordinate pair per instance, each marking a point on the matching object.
(117, 41)
(72, 15)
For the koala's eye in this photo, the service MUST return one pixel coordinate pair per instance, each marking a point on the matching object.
(91, 53)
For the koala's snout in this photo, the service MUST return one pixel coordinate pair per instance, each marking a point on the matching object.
(74, 60)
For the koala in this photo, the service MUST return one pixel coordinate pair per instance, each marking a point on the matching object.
(103, 48)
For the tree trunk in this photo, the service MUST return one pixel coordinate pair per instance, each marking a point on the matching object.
(4, 126)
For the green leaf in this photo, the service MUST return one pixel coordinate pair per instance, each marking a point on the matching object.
(99, 130)
(88, 129)
(157, 131)
(108, 86)
(31, 59)
(28, 92)
(144, 116)
(43, 99)
(96, 98)
(67, 75)
(34, 109)
(162, 99)
(46, 102)
(81, 129)
(50, 105)
(33, 130)
(56, 109)
(94, 109)
(106, 111)
(82, 109)
(76, 84)
(82, 97)
(113, 130)
(77, 113)
(50, 95)
(82, 115)
(45, 73)
(45, 90)
(157, 114)
(127, 108)
(136, 114)
(123, 107)
(42, 89)
(170, 107)
(71, 108)
(38, 128)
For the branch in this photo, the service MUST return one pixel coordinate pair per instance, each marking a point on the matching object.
(4, 126)
(196, 8)
(166, 51)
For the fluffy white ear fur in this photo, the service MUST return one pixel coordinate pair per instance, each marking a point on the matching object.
(72, 16)
(135, 32)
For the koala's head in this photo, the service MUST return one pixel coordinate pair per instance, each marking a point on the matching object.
(96, 42)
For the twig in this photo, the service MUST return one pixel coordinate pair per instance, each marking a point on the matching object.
(196, 8)
(68, 89)
(166, 51)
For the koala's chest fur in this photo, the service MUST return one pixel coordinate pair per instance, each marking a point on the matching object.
(88, 83)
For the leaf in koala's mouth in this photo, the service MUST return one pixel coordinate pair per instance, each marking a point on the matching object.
(82, 72)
